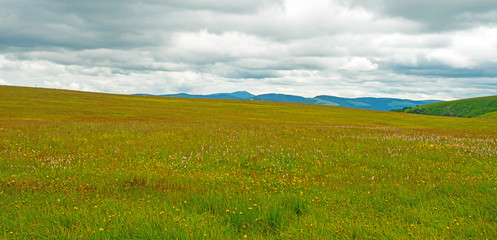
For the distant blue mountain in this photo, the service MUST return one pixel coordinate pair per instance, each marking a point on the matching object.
(284, 98)
(235, 95)
(380, 104)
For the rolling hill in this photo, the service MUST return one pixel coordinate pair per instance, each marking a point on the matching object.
(482, 107)
(65, 105)
(380, 104)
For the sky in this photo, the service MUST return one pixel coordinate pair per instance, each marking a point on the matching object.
(415, 49)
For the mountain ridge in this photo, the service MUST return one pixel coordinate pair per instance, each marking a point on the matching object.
(370, 103)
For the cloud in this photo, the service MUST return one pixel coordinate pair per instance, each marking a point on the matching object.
(459, 54)
(205, 47)
(450, 58)
(359, 64)
(240, 6)
(348, 48)
(440, 15)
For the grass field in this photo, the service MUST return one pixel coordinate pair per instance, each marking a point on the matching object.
(77, 165)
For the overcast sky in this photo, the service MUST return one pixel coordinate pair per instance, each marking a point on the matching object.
(418, 49)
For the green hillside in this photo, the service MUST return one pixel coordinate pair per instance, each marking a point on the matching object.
(483, 107)
(78, 165)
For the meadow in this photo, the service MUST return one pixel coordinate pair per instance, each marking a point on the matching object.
(77, 165)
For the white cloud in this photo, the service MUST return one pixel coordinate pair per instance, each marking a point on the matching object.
(74, 86)
(478, 44)
(450, 58)
(228, 45)
(359, 64)
(54, 84)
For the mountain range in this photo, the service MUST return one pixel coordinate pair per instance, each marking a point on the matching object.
(380, 104)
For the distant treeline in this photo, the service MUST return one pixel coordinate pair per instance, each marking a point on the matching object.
(415, 110)
(423, 111)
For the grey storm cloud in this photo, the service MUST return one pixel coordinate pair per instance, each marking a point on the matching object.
(77, 25)
(348, 48)
(440, 15)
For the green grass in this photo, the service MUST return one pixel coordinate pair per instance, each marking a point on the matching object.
(491, 115)
(80, 165)
(483, 107)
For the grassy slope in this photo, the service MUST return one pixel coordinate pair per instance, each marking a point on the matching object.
(90, 166)
(63, 105)
(491, 115)
(472, 108)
